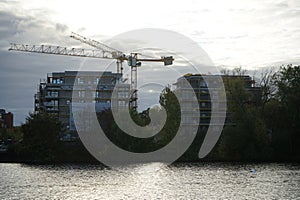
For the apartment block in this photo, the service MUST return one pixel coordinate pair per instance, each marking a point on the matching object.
(207, 88)
(60, 90)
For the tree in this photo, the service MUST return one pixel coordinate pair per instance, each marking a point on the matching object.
(248, 138)
(169, 101)
(268, 86)
(288, 83)
(275, 117)
(40, 137)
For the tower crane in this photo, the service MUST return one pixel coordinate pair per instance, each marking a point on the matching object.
(101, 51)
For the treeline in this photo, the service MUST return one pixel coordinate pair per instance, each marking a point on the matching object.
(40, 142)
(267, 129)
(265, 124)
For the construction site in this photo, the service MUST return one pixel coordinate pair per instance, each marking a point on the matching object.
(56, 93)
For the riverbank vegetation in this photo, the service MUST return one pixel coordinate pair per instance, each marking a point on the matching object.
(268, 129)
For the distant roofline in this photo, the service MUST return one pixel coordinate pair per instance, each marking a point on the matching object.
(222, 75)
(74, 73)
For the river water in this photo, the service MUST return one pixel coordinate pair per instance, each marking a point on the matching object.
(151, 181)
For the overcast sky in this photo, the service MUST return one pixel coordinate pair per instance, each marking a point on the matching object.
(248, 33)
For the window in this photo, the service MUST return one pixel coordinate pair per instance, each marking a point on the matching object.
(52, 93)
(96, 81)
(89, 82)
(53, 104)
(80, 80)
(122, 103)
(185, 120)
(57, 81)
(81, 94)
(203, 84)
(55, 93)
(194, 84)
(123, 94)
(204, 91)
(214, 95)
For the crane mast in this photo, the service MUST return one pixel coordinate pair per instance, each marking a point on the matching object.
(102, 51)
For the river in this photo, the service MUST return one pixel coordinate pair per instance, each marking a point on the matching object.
(151, 181)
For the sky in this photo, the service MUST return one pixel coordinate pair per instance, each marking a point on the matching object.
(253, 34)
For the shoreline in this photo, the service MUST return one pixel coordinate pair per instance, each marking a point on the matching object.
(95, 162)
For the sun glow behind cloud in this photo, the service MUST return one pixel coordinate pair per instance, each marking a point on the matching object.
(250, 33)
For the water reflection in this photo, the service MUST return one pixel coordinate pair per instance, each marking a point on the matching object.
(150, 181)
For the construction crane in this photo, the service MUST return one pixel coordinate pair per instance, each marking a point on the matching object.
(101, 51)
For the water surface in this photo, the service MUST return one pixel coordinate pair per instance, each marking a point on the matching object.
(150, 181)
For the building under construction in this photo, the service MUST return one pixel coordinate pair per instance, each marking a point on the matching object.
(57, 93)
(101, 51)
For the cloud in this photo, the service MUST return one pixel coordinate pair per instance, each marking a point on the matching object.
(33, 26)
(21, 72)
(61, 27)
(8, 24)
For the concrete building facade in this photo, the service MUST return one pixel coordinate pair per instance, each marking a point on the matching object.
(57, 93)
